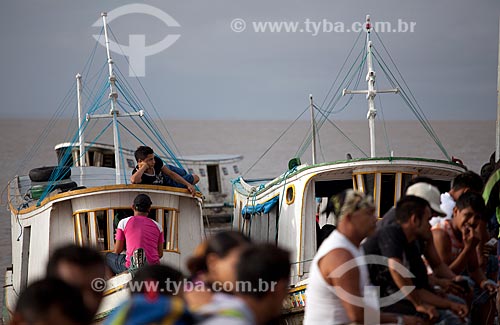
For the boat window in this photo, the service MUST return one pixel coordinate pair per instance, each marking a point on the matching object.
(119, 214)
(170, 230)
(224, 171)
(62, 158)
(387, 192)
(405, 180)
(102, 233)
(443, 186)
(130, 163)
(369, 180)
(191, 171)
(98, 158)
(290, 194)
(202, 172)
(25, 256)
(82, 229)
(329, 188)
(108, 160)
(236, 169)
(213, 178)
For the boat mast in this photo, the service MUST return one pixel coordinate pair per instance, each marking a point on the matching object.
(81, 140)
(313, 126)
(497, 147)
(371, 92)
(113, 95)
(113, 113)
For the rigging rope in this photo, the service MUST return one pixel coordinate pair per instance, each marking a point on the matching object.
(275, 141)
(415, 107)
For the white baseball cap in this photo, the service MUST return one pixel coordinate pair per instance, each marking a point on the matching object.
(429, 193)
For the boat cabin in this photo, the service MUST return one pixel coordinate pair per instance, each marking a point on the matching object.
(215, 171)
(288, 210)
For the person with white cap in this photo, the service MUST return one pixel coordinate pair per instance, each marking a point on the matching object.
(442, 274)
(398, 244)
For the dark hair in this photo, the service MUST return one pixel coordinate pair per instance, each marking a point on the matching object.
(161, 274)
(219, 244)
(142, 152)
(409, 205)
(142, 203)
(470, 180)
(261, 266)
(474, 201)
(82, 256)
(35, 302)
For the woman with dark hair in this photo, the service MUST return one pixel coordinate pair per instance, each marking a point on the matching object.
(213, 267)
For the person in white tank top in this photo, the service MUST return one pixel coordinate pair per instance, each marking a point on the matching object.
(355, 221)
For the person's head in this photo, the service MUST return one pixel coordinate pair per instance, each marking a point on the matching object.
(145, 154)
(50, 301)
(468, 211)
(265, 271)
(154, 280)
(216, 258)
(464, 182)
(355, 210)
(142, 204)
(79, 267)
(429, 193)
(414, 213)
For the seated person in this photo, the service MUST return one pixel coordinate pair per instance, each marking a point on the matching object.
(329, 284)
(396, 242)
(456, 242)
(143, 236)
(151, 170)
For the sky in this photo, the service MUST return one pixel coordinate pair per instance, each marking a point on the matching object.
(215, 70)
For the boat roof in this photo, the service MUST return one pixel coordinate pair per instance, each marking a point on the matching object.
(209, 158)
(438, 168)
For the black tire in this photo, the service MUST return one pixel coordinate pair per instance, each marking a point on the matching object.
(64, 187)
(42, 174)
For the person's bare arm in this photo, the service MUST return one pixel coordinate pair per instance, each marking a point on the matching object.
(136, 178)
(176, 177)
(442, 303)
(160, 249)
(440, 269)
(348, 281)
(483, 235)
(119, 246)
(443, 246)
(412, 295)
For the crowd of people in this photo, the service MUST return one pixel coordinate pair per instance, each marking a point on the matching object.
(231, 281)
(428, 260)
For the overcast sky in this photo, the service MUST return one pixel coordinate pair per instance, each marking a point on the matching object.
(212, 72)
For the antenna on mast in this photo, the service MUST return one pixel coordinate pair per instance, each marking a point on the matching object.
(371, 92)
(113, 113)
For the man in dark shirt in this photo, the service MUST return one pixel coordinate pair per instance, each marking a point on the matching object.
(396, 243)
(151, 170)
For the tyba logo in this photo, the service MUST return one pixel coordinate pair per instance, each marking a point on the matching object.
(371, 300)
(137, 51)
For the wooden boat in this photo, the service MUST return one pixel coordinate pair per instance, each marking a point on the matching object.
(215, 172)
(286, 210)
(80, 201)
